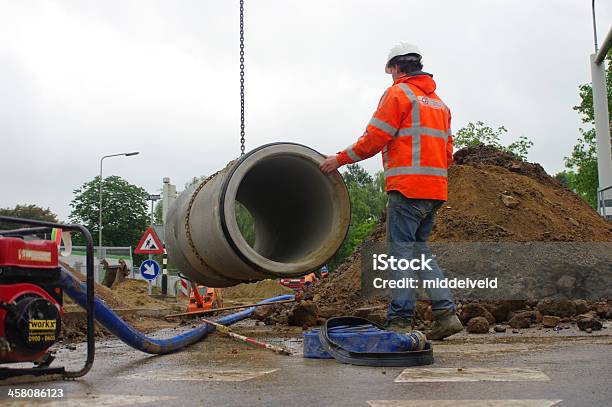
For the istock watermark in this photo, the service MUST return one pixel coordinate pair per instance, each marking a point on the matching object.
(421, 266)
(454, 283)
(489, 270)
(383, 262)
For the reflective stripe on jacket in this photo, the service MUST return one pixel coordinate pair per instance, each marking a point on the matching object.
(412, 129)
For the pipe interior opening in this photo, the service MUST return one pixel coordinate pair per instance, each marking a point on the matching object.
(285, 210)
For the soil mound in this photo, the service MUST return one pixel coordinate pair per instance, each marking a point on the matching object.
(493, 197)
(259, 290)
(135, 294)
(490, 203)
(104, 293)
(489, 155)
(127, 294)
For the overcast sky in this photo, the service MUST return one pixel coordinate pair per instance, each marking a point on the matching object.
(81, 79)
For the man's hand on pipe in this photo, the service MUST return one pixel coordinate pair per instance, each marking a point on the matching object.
(330, 164)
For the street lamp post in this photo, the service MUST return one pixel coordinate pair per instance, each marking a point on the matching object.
(594, 25)
(100, 192)
(153, 199)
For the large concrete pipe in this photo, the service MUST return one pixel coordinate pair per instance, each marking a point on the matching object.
(301, 216)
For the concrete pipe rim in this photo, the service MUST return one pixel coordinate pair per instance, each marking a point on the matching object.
(229, 225)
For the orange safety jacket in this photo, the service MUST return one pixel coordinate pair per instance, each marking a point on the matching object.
(412, 128)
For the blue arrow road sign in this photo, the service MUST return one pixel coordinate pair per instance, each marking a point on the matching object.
(149, 269)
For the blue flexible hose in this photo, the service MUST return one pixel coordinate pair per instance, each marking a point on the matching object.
(126, 333)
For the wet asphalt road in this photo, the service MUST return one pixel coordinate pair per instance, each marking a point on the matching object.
(562, 370)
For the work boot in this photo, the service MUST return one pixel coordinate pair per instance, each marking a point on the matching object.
(446, 324)
(398, 324)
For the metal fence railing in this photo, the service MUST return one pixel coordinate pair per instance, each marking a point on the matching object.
(76, 258)
(603, 204)
(173, 287)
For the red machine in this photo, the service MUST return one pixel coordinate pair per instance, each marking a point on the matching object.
(30, 302)
(204, 298)
(301, 283)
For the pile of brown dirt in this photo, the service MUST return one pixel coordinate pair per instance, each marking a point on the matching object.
(489, 155)
(491, 204)
(259, 290)
(104, 293)
(340, 293)
(493, 197)
(135, 294)
(128, 294)
(74, 329)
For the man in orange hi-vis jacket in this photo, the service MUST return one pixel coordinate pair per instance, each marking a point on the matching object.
(411, 126)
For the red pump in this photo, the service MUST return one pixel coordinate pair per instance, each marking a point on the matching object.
(30, 302)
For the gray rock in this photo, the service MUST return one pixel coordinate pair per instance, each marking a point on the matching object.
(478, 325)
(261, 313)
(520, 321)
(584, 324)
(581, 306)
(473, 310)
(557, 307)
(510, 201)
(604, 310)
(550, 321)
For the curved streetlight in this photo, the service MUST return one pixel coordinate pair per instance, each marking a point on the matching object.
(100, 191)
(594, 24)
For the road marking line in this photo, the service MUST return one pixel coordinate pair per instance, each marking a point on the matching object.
(463, 403)
(234, 375)
(471, 374)
(100, 400)
(481, 348)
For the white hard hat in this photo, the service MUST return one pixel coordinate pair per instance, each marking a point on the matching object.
(401, 48)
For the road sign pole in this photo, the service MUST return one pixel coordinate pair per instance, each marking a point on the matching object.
(150, 286)
(164, 277)
(149, 244)
(150, 255)
(149, 270)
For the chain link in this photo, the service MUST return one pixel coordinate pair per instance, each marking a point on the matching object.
(242, 141)
(188, 222)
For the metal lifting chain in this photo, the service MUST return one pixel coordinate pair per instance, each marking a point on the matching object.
(241, 77)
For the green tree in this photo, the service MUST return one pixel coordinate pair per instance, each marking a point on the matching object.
(246, 224)
(474, 134)
(368, 200)
(566, 178)
(583, 160)
(26, 212)
(157, 213)
(124, 210)
(194, 180)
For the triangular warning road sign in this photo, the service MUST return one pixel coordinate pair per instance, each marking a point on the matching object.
(149, 244)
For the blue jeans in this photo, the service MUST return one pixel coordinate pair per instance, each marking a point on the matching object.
(409, 224)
